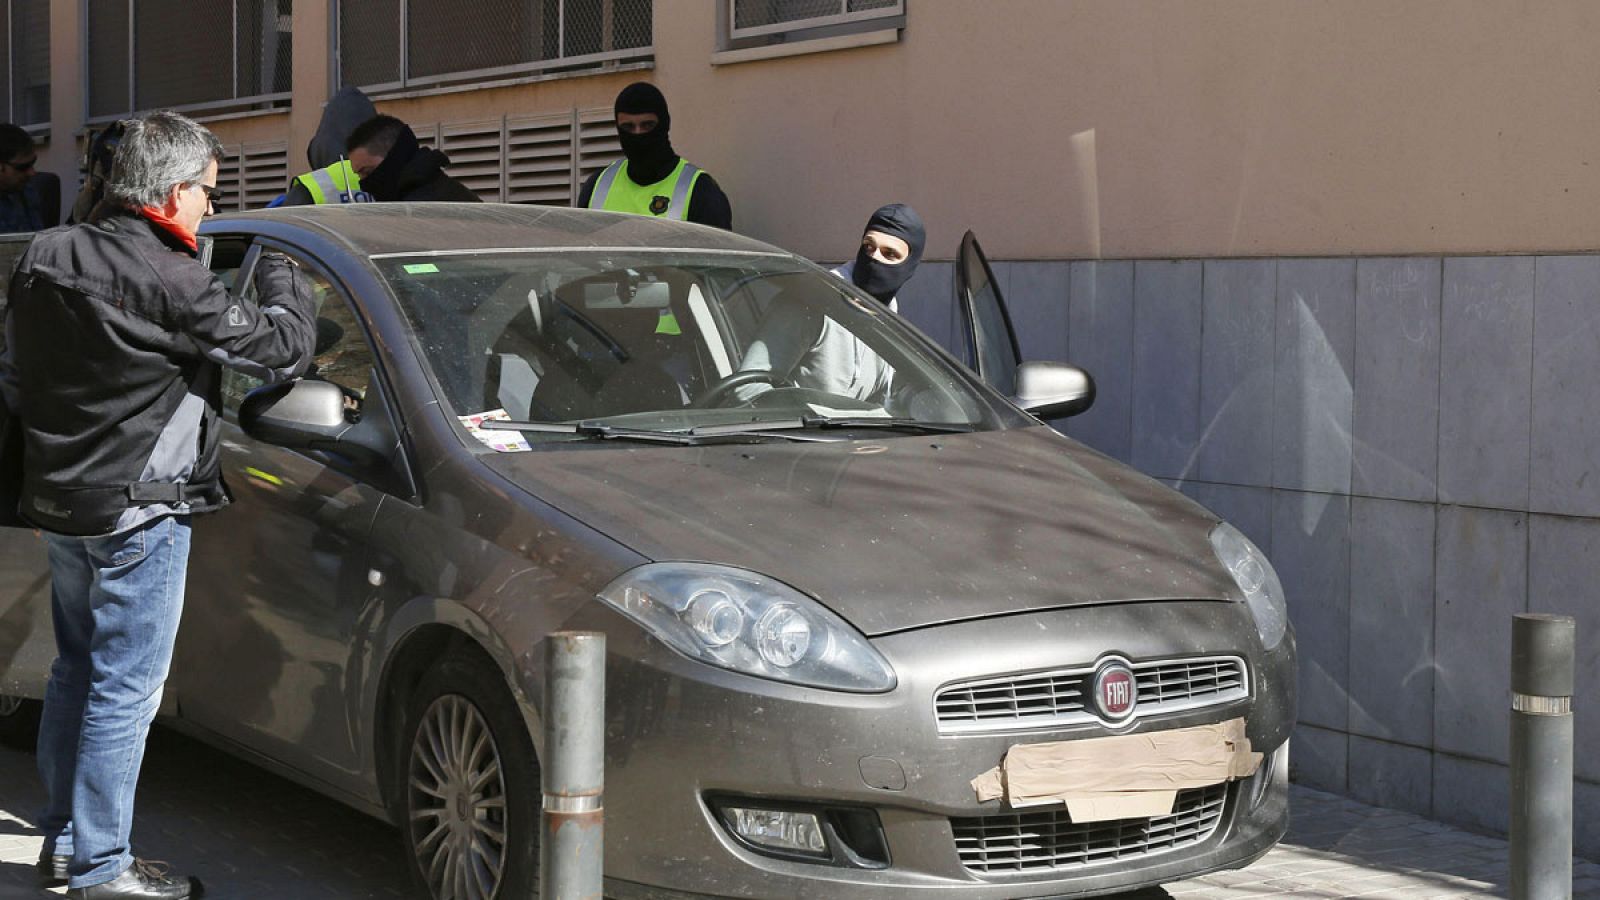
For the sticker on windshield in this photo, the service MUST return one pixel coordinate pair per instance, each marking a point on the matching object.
(831, 413)
(503, 441)
(420, 268)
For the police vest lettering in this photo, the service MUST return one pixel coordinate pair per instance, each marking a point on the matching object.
(667, 198)
(337, 183)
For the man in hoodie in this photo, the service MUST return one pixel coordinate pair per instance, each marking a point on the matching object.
(651, 179)
(392, 166)
(332, 178)
(802, 347)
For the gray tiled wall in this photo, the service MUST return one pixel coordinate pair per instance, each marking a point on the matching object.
(1414, 441)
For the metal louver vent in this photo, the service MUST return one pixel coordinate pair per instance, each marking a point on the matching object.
(476, 151)
(265, 170)
(598, 146)
(251, 175)
(539, 160)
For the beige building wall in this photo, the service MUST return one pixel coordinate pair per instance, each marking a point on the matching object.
(1090, 128)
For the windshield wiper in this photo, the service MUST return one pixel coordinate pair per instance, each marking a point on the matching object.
(591, 430)
(738, 432)
(884, 423)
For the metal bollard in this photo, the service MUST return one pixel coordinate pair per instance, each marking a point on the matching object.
(1542, 652)
(571, 845)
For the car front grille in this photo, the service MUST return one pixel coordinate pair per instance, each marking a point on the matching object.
(1049, 841)
(1051, 699)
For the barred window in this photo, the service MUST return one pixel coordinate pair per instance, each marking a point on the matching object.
(25, 67)
(755, 22)
(396, 44)
(237, 54)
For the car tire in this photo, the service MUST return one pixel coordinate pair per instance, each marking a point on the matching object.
(467, 785)
(19, 722)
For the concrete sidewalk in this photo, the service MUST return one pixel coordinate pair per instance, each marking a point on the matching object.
(253, 836)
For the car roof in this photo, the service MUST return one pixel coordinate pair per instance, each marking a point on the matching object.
(373, 229)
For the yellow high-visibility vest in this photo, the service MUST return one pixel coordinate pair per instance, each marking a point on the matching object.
(337, 183)
(667, 198)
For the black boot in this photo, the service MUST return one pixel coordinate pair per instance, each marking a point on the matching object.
(141, 881)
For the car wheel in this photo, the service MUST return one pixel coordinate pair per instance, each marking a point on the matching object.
(19, 722)
(470, 786)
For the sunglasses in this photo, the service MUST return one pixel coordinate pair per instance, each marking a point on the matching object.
(213, 194)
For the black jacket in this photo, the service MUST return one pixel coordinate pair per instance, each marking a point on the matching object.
(115, 338)
(423, 178)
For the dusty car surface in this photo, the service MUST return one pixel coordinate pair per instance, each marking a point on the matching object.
(832, 602)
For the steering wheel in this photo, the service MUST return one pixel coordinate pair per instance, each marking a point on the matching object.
(716, 393)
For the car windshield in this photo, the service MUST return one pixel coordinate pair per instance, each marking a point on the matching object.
(631, 342)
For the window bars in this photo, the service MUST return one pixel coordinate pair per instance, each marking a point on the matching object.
(237, 55)
(391, 45)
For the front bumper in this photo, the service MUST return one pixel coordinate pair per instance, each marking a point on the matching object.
(681, 734)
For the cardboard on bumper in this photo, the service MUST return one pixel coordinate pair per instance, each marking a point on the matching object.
(1121, 777)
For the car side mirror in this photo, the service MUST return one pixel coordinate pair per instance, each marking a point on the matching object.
(1053, 390)
(306, 414)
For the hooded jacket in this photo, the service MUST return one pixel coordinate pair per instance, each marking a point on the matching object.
(345, 110)
(115, 338)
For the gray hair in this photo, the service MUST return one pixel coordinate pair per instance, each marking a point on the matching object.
(158, 152)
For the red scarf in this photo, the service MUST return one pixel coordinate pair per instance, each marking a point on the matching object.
(173, 228)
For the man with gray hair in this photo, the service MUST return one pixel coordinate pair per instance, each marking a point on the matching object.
(115, 335)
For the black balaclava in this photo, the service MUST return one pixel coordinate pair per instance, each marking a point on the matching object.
(884, 281)
(384, 182)
(650, 156)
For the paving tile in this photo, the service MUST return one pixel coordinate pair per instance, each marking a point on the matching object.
(1482, 582)
(1166, 367)
(1236, 396)
(1311, 552)
(1485, 379)
(1392, 620)
(1565, 423)
(1313, 384)
(1395, 415)
(1100, 341)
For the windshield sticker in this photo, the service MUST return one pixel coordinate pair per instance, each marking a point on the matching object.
(420, 268)
(832, 413)
(503, 441)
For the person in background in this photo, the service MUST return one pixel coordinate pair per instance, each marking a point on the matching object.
(21, 207)
(392, 166)
(807, 349)
(332, 178)
(651, 179)
(891, 248)
(116, 335)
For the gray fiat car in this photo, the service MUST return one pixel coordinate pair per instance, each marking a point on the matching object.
(840, 589)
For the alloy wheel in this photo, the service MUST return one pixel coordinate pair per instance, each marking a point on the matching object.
(456, 802)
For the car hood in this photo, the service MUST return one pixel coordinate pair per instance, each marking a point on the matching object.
(901, 532)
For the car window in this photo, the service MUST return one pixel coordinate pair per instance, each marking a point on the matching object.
(993, 350)
(667, 341)
(343, 355)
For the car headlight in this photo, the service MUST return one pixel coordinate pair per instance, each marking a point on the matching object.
(748, 623)
(1262, 590)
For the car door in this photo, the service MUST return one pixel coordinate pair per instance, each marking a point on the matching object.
(991, 342)
(278, 582)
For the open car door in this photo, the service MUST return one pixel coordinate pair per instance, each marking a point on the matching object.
(1046, 389)
(991, 341)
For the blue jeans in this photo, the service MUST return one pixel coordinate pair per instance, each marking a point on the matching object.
(116, 602)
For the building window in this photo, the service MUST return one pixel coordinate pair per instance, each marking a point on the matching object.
(235, 54)
(761, 22)
(26, 66)
(413, 44)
